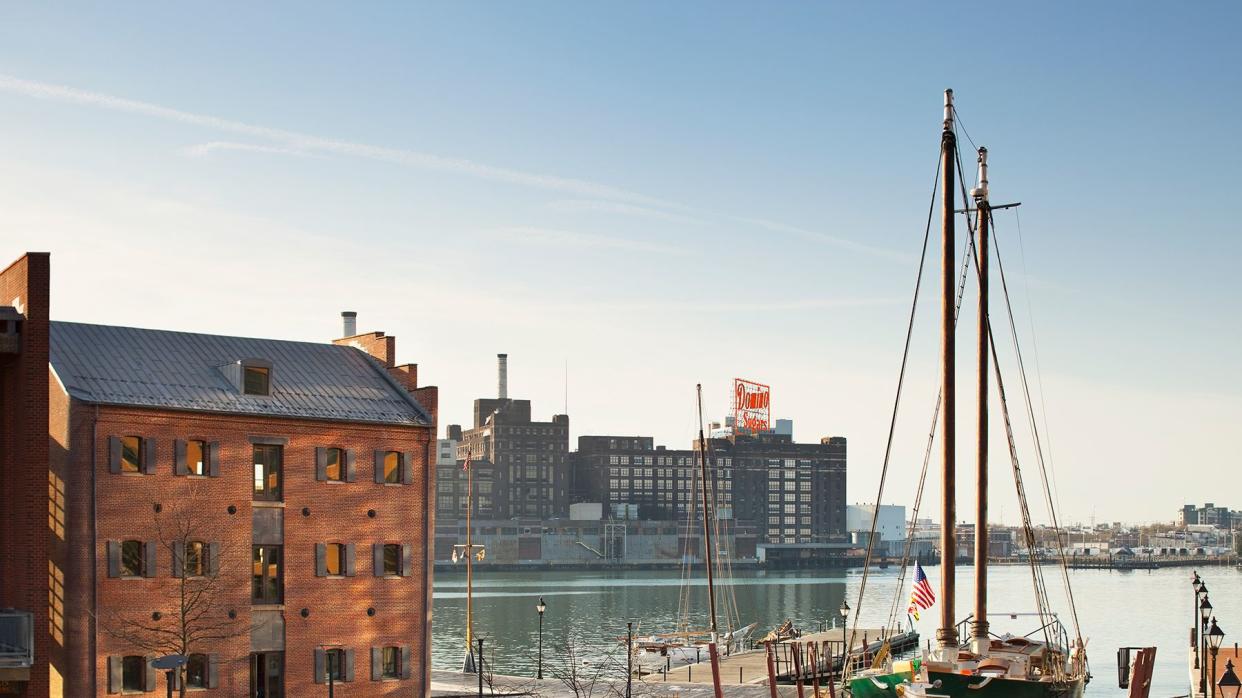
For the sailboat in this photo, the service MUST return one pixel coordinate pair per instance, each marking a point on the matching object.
(663, 651)
(968, 659)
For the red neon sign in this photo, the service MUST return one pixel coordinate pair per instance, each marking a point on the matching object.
(751, 406)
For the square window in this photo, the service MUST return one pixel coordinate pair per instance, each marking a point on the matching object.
(196, 457)
(335, 664)
(391, 663)
(334, 460)
(196, 558)
(392, 560)
(133, 673)
(256, 380)
(334, 559)
(131, 454)
(196, 671)
(132, 558)
(392, 468)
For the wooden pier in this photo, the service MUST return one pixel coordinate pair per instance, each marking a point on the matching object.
(792, 657)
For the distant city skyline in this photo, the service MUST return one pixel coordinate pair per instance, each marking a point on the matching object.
(630, 200)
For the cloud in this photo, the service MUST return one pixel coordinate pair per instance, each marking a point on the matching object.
(204, 149)
(602, 197)
(532, 235)
(595, 205)
(306, 142)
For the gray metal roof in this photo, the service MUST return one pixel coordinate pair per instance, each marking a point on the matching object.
(182, 370)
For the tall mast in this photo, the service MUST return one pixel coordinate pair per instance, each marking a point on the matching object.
(980, 634)
(946, 636)
(707, 529)
(470, 666)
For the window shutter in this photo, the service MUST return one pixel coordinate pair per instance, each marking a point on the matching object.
(407, 559)
(149, 684)
(349, 559)
(379, 466)
(148, 456)
(178, 558)
(114, 560)
(321, 463)
(179, 467)
(320, 666)
(350, 473)
(349, 664)
(114, 454)
(405, 662)
(148, 563)
(114, 673)
(213, 670)
(407, 468)
(377, 559)
(321, 560)
(376, 660)
(213, 459)
(213, 560)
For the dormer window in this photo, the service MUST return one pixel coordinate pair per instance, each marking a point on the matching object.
(256, 380)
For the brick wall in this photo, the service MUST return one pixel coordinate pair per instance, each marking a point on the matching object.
(315, 512)
(24, 447)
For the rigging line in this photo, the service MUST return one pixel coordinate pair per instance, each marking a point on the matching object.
(1039, 375)
(927, 453)
(1056, 526)
(888, 449)
(1041, 589)
(957, 120)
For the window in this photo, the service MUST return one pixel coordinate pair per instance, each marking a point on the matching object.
(131, 454)
(334, 559)
(267, 467)
(196, 457)
(196, 671)
(256, 380)
(268, 577)
(390, 663)
(392, 468)
(335, 664)
(392, 560)
(196, 558)
(334, 464)
(133, 673)
(132, 558)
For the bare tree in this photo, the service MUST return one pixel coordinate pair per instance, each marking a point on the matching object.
(586, 678)
(192, 616)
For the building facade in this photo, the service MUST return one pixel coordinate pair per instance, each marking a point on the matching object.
(283, 486)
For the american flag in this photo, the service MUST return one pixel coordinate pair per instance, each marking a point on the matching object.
(921, 595)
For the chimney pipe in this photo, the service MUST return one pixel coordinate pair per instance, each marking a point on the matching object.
(502, 369)
(349, 320)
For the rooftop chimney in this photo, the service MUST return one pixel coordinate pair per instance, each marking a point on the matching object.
(349, 320)
(502, 370)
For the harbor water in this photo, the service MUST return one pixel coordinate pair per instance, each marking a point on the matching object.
(587, 611)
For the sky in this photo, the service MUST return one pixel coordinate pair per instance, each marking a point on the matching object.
(633, 198)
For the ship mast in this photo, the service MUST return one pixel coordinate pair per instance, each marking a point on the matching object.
(707, 529)
(946, 636)
(980, 640)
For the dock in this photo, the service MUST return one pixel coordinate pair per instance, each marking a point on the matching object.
(751, 667)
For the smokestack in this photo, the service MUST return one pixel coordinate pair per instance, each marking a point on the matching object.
(502, 370)
(349, 321)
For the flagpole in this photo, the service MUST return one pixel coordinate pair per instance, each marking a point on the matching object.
(470, 665)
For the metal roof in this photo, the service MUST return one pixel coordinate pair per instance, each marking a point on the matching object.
(183, 370)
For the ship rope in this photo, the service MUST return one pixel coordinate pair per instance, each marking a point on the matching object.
(888, 448)
(1043, 606)
(684, 597)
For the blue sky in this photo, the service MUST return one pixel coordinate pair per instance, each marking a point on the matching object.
(660, 194)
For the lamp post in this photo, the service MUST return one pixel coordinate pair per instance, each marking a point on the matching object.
(1194, 626)
(1215, 636)
(845, 613)
(1205, 612)
(540, 607)
(1228, 681)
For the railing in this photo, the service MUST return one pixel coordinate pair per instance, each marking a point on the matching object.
(16, 638)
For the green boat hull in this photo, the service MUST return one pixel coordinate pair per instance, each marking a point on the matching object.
(962, 686)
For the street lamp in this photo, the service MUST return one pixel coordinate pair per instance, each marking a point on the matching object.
(845, 612)
(1229, 680)
(1215, 636)
(1194, 627)
(540, 607)
(1205, 612)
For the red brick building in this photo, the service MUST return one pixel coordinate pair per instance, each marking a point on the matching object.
(268, 500)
